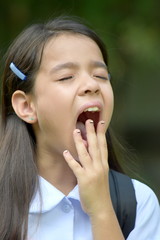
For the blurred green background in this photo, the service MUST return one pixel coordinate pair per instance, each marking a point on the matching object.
(131, 31)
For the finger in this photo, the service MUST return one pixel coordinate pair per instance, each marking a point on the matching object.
(83, 155)
(72, 163)
(92, 140)
(101, 129)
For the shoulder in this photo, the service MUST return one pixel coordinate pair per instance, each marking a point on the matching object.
(144, 193)
(147, 225)
(146, 198)
(147, 209)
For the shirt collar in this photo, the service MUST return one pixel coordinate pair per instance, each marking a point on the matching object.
(48, 197)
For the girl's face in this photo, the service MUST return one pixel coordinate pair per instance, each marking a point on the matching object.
(71, 86)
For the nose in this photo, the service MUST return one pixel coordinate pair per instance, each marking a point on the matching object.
(89, 85)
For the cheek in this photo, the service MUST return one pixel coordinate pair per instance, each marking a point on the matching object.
(53, 109)
(109, 104)
(109, 96)
(112, 101)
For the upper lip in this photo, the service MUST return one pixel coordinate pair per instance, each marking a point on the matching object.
(89, 105)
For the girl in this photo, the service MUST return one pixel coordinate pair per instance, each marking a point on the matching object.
(56, 106)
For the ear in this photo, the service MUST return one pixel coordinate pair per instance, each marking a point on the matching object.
(24, 106)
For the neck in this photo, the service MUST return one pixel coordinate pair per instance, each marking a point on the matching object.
(56, 171)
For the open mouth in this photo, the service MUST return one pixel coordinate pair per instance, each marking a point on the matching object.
(90, 113)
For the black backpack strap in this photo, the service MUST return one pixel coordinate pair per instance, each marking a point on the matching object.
(123, 200)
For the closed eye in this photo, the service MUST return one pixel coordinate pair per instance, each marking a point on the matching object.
(102, 77)
(65, 78)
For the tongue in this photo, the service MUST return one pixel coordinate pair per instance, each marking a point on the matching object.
(82, 128)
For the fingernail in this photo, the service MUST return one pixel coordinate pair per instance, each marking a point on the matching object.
(91, 121)
(65, 151)
(78, 131)
(102, 122)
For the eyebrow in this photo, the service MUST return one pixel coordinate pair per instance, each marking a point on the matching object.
(99, 64)
(67, 65)
(63, 66)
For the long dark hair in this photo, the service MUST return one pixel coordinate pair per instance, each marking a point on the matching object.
(18, 172)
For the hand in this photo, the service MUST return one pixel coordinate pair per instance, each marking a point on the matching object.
(92, 169)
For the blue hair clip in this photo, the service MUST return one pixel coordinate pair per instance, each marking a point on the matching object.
(16, 71)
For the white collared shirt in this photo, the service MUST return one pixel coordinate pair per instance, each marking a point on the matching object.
(62, 217)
